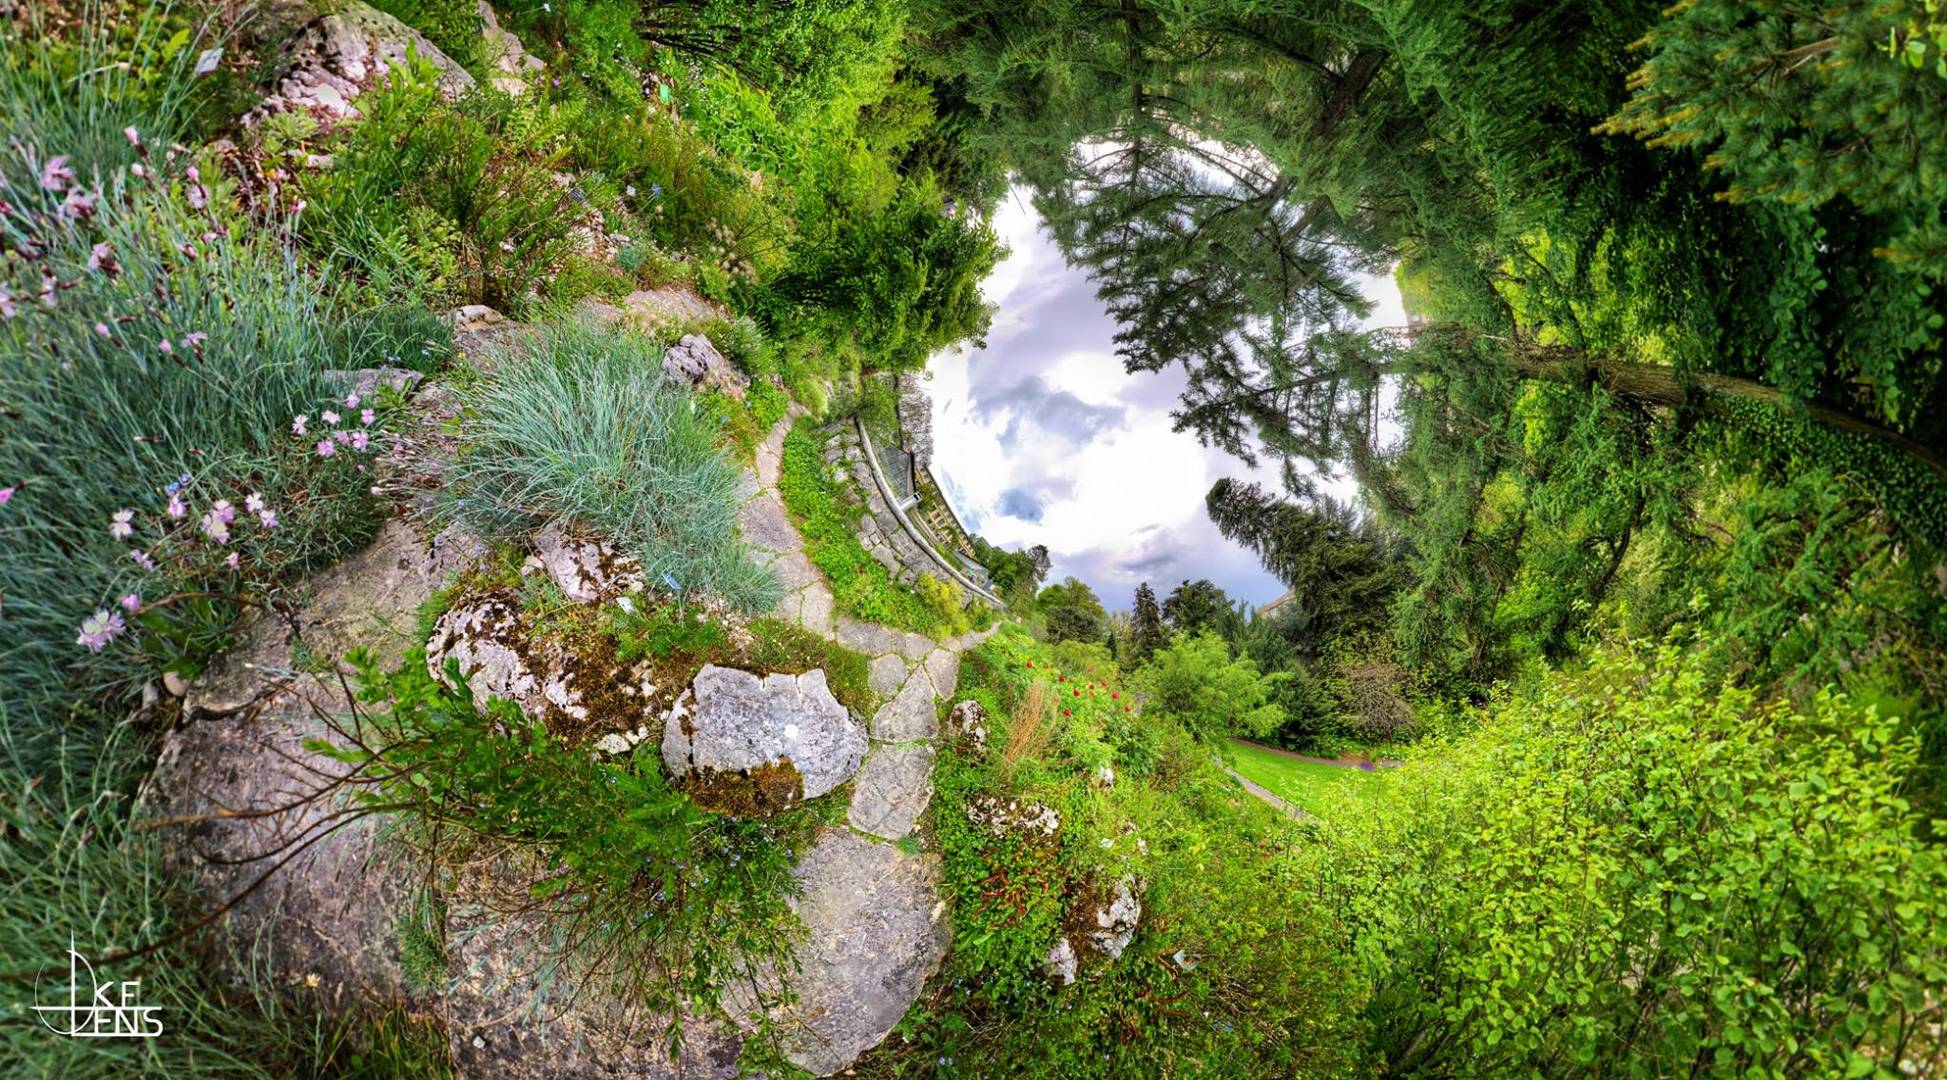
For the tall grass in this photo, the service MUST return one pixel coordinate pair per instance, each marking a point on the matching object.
(148, 334)
(584, 427)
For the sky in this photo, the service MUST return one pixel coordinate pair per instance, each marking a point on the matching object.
(1043, 438)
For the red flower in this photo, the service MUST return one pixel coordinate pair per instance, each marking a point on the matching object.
(1030, 663)
(1078, 693)
(1112, 697)
(1064, 712)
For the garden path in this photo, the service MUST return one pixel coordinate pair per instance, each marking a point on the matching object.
(875, 923)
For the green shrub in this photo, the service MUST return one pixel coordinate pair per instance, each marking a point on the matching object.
(583, 427)
(1637, 871)
(452, 202)
(1235, 969)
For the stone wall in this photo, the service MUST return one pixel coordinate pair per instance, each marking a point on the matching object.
(879, 529)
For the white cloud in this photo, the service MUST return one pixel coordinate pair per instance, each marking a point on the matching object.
(1119, 494)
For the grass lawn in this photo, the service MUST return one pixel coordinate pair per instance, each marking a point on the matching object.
(1306, 784)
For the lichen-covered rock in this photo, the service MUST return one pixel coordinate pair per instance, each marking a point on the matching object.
(875, 931)
(339, 55)
(968, 720)
(695, 362)
(588, 571)
(1005, 816)
(754, 747)
(498, 660)
(508, 1020)
(1110, 921)
(1060, 963)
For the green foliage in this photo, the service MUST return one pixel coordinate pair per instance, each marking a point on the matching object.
(1070, 611)
(1016, 575)
(1194, 607)
(452, 202)
(828, 513)
(186, 349)
(1146, 630)
(582, 427)
(1234, 971)
(1634, 871)
(1803, 104)
(651, 899)
(453, 26)
(1195, 682)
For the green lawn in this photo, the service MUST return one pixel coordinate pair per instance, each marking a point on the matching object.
(1307, 785)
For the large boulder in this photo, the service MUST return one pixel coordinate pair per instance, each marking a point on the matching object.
(333, 888)
(755, 746)
(875, 931)
(340, 54)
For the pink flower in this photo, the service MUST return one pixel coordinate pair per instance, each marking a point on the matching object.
(99, 629)
(341, 436)
(253, 502)
(141, 558)
(177, 508)
(167, 349)
(360, 440)
(78, 205)
(267, 518)
(102, 329)
(134, 138)
(138, 169)
(7, 495)
(366, 417)
(326, 448)
(297, 425)
(119, 526)
(7, 308)
(194, 341)
(55, 175)
(233, 561)
(351, 401)
(215, 527)
(328, 416)
(222, 509)
(131, 603)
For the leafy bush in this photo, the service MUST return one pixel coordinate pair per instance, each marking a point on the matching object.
(583, 427)
(828, 516)
(1195, 682)
(441, 202)
(1233, 971)
(1636, 871)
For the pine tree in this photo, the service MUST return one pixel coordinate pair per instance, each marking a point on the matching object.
(1146, 632)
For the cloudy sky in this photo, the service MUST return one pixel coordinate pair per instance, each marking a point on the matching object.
(1042, 438)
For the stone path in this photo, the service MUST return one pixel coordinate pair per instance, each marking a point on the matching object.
(862, 963)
